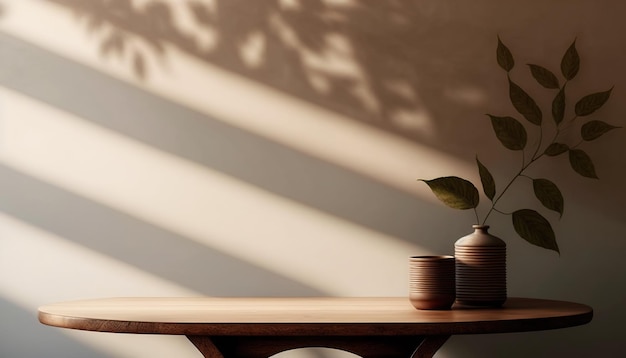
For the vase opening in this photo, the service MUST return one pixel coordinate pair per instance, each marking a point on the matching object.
(480, 227)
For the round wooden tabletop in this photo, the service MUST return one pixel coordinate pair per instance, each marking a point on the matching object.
(306, 316)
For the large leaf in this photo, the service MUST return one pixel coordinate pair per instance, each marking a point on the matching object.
(582, 164)
(455, 192)
(591, 103)
(555, 149)
(594, 129)
(524, 104)
(504, 57)
(545, 78)
(570, 62)
(558, 106)
(489, 185)
(548, 194)
(509, 131)
(535, 229)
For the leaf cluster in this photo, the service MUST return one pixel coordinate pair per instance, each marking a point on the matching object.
(513, 134)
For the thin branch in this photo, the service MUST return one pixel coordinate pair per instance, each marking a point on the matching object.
(502, 212)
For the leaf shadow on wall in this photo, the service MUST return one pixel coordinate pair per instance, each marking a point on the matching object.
(401, 66)
(376, 62)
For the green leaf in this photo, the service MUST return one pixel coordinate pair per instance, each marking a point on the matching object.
(455, 192)
(489, 185)
(504, 57)
(545, 78)
(592, 102)
(549, 195)
(570, 62)
(555, 149)
(582, 164)
(524, 104)
(535, 229)
(594, 129)
(509, 131)
(558, 106)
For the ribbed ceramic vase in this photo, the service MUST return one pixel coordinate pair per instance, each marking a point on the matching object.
(431, 282)
(480, 269)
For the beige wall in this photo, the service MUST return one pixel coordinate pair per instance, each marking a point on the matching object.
(271, 148)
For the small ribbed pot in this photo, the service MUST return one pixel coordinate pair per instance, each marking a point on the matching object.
(431, 282)
(480, 269)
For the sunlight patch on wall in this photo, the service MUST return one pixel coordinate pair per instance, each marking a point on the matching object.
(335, 60)
(26, 19)
(311, 129)
(52, 268)
(290, 5)
(191, 200)
(37, 267)
(341, 3)
(252, 51)
(259, 109)
(327, 135)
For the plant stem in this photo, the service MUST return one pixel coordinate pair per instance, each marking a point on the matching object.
(520, 173)
(577, 144)
(561, 129)
(538, 144)
(495, 201)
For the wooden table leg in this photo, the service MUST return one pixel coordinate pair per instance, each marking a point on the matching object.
(366, 347)
(429, 346)
(205, 346)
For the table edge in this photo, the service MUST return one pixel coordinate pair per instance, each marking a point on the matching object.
(319, 328)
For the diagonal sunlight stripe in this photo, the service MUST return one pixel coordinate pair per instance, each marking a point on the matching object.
(37, 267)
(247, 104)
(241, 220)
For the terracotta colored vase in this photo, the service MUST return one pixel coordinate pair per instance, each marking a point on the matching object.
(480, 269)
(431, 282)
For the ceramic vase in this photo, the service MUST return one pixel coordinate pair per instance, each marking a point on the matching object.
(431, 282)
(480, 269)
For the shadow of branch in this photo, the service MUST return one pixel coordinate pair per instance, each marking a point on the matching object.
(377, 62)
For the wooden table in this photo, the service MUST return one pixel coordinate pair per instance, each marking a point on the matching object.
(261, 327)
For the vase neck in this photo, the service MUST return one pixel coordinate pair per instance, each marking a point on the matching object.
(480, 228)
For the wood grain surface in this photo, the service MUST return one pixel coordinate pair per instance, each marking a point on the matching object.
(306, 316)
